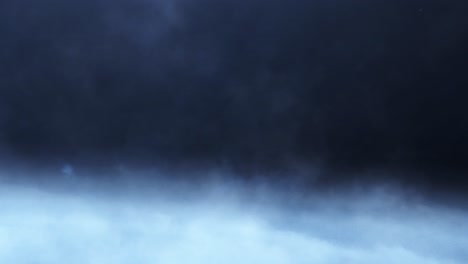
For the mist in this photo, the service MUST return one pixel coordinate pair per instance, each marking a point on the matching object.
(224, 222)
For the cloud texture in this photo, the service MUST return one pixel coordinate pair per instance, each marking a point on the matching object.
(49, 227)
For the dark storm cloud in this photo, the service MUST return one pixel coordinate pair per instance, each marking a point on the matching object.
(348, 84)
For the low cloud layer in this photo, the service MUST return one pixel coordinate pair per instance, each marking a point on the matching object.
(38, 226)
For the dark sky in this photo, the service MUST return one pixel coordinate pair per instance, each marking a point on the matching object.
(253, 84)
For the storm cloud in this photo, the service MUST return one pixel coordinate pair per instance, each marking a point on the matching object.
(207, 131)
(252, 83)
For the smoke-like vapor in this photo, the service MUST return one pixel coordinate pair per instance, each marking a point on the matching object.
(250, 131)
(38, 226)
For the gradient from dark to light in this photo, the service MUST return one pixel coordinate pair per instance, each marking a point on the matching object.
(158, 103)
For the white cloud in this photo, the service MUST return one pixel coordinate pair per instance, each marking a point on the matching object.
(45, 227)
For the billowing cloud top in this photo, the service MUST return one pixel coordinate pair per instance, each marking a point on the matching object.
(52, 227)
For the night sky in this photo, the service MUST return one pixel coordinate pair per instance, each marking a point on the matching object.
(300, 112)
